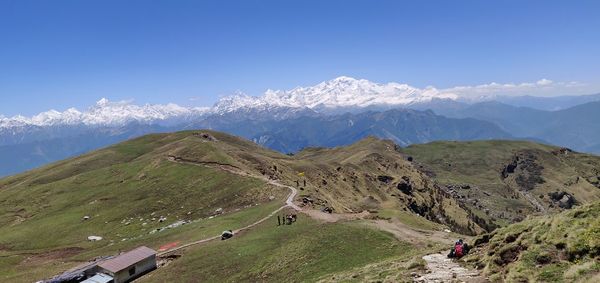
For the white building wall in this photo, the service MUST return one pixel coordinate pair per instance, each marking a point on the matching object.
(141, 267)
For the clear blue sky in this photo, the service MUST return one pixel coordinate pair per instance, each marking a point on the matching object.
(58, 54)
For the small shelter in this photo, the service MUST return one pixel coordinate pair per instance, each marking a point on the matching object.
(130, 265)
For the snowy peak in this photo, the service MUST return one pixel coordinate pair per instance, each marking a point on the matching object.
(337, 93)
(105, 113)
(341, 92)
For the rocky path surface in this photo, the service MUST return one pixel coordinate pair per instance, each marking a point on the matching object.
(442, 269)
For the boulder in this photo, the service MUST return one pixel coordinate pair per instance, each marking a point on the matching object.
(404, 186)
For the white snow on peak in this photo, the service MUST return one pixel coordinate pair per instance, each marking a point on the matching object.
(105, 113)
(339, 92)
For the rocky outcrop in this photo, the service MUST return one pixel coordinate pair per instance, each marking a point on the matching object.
(404, 186)
(562, 199)
(527, 172)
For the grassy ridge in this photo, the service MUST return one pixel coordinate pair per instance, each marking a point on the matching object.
(560, 248)
(125, 189)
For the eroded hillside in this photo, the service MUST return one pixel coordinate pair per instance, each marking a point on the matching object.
(503, 181)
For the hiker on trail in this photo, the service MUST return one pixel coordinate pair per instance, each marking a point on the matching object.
(459, 250)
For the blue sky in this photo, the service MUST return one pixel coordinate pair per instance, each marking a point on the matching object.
(60, 54)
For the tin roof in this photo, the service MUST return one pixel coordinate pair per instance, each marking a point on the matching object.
(98, 278)
(127, 259)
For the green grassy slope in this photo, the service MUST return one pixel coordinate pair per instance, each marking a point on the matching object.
(125, 189)
(302, 252)
(560, 248)
(128, 187)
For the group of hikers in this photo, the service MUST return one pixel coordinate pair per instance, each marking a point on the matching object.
(287, 219)
(460, 249)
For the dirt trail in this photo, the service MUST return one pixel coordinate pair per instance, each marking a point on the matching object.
(289, 202)
(417, 236)
(442, 269)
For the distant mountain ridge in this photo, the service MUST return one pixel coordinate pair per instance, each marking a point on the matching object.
(337, 96)
(331, 113)
(403, 126)
(287, 130)
(576, 127)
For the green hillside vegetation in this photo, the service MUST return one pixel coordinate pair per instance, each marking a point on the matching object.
(215, 181)
(479, 174)
(302, 252)
(190, 176)
(125, 189)
(560, 248)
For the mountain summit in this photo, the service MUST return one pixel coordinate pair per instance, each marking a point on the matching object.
(341, 92)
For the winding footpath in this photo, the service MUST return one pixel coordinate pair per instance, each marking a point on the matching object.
(289, 202)
(440, 267)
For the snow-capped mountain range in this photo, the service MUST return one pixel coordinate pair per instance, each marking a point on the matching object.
(337, 93)
(340, 93)
(105, 113)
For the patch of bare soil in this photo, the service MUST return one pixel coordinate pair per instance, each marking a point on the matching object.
(416, 236)
(334, 217)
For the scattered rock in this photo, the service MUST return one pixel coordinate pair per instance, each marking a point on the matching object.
(94, 238)
(562, 151)
(177, 224)
(327, 209)
(307, 200)
(205, 136)
(563, 199)
(385, 179)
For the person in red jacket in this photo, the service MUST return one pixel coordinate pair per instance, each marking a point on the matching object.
(460, 249)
